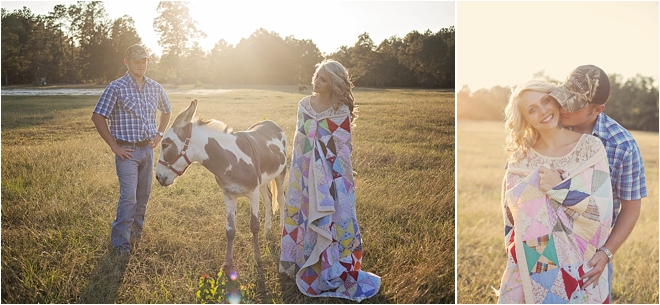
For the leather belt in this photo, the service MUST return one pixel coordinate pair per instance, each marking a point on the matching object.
(138, 144)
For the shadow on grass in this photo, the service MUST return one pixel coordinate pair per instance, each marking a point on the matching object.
(106, 280)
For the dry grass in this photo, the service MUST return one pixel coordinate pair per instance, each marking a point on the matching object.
(59, 193)
(480, 247)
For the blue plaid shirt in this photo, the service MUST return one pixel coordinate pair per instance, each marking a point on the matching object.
(626, 165)
(131, 113)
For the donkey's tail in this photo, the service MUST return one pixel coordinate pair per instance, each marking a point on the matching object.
(272, 188)
(277, 187)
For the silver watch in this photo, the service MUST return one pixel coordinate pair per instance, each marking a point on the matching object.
(607, 252)
(161, 134)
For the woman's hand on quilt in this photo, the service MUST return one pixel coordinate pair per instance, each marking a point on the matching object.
(549, 178)
(597, 263)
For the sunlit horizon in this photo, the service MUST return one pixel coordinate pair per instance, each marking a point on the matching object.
(505, 43)
(319, 21)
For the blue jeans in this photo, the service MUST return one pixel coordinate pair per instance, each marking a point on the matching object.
(135, 176)
(610, 268)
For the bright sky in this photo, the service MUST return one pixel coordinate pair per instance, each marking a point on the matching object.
(505, 43)
(329, 25)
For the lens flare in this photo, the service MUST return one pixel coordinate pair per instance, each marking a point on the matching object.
(233, 275)
(234, 297)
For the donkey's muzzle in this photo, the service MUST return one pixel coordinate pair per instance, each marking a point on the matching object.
(162, 180)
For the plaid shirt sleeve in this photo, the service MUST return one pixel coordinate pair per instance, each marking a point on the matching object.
(106, 102)
(164, 102)
(632, 181)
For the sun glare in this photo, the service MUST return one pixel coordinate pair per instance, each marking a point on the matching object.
(233, 21)
(526, 38)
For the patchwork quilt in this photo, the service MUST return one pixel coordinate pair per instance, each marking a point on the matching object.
(550, 236)
(321, 244)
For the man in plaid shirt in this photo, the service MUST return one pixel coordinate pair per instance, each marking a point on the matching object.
(582, 97)
(129, 105)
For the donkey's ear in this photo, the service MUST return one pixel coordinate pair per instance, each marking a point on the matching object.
(186, 116)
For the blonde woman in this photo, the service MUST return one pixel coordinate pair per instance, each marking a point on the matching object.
(556, 201)
(321, 244)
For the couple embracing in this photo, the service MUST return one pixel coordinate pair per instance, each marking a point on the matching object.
(572, 191)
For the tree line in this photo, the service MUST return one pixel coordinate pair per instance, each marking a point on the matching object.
(79, 44)
(633, 102)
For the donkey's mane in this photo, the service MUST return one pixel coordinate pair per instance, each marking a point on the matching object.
(215, 124)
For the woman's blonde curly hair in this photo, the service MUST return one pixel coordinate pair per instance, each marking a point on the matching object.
(341, 84)
(520, 135)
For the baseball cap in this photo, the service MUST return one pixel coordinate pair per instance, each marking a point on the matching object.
(136, 52)
(580, 88)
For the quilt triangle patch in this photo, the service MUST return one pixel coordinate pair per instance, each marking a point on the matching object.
(294, 234)
(307, 147)
(346, 125)
(507, 229)
(309, 276)
(598, 179)
(565, 218)
(577, 183)
(570, 283)
(306, 127)
(533, 206)
(530, 192)
(558, 288)
(535, 230)
(323, 124)
(546, 279)
(552, 298)
(311, 291)
(539, 291)
(550, 251)
(559, 227)
(532, 257)
(295, 185)
(581, 243)
(323, 132)
(586, 176)
(331, 146)
(288, 267)
(574, 197)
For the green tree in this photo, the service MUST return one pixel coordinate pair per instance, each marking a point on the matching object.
(305, 55)
(91, 28)
(389, 72)
(448, 58)
(363, 58)
(633, 103)
(343, 55)
(425, 54)
(57, 21)
(219, 63)
(123, 35)
(14, 62)
(25, 46)
(195, 66)
(176, 27)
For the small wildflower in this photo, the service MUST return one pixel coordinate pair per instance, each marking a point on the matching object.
(220, 290)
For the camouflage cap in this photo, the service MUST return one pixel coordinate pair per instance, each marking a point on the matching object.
(579, 88)
(136, 52)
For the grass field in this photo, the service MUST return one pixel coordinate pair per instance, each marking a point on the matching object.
(480, 245)
(60, 191)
